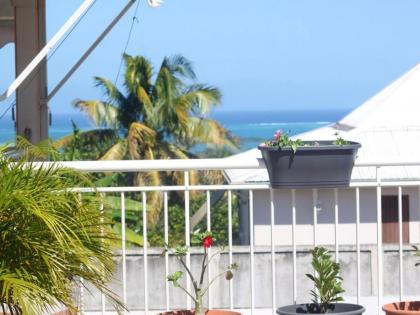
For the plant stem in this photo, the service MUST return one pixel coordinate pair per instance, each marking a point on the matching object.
(199, 310)
(211, 282)
(203, 267)
(212, 256)
(188, 293)
(189, 273)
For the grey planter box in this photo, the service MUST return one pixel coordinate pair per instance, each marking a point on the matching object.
(339, 308)
(326, 165)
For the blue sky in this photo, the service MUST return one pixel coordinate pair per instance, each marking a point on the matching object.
(271, 54)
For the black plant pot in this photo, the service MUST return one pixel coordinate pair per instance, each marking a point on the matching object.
(326, 165)
(339, 308)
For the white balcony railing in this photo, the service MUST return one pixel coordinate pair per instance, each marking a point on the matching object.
(271, 263)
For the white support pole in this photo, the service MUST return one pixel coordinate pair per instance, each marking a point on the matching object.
(90, 50)
(47, 48)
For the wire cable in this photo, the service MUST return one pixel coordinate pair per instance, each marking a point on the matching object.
(13, 103)
(130, 32)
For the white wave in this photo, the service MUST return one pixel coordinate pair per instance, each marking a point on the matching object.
(290, 123)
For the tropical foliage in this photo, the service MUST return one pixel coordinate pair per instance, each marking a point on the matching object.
(49, 238)
(162, 115)
(326, 280)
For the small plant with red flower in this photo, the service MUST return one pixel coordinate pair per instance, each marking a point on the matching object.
(205, 240)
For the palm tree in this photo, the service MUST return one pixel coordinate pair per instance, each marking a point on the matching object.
(158, 116)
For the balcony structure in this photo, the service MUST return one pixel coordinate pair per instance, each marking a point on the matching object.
(274, 259)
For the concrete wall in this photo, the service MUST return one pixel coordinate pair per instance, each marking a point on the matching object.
(241, 282)
(325, 218)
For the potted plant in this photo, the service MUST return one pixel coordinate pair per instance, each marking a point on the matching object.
(299, 164)
(404, 307)
(205, 240)
(327, 289)
(50, 238)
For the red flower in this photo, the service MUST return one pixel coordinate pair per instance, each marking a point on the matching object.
(207, 241)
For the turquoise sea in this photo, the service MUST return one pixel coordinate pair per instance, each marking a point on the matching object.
(252, 127)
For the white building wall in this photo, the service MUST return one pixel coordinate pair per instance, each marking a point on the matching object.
(325, 218)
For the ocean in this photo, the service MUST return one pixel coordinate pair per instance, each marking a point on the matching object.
(252, 127)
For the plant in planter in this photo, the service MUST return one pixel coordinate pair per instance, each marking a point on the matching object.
(404, 307)
(50, 238)
(294, 163)
(200, 288)
(327, 289)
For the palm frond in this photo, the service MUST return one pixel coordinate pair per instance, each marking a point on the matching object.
(117, 152)
(201, 98)
(93, 135)
(139, 137)
(178, 65)
(43, 150)
(138, 72)
(100, 113)
(208, 131)
(115, 97)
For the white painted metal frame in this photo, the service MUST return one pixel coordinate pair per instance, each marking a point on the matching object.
(48, 47)
(90, 50)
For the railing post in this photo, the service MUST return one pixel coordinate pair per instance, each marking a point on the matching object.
(187, 228)
(123, 248)
(166, 239)
(273, 252)
(379, 237)
(358, 242)
(400, 236)
(251, 247)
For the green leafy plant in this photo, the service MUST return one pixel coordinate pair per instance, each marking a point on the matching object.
(339, 140)
(282, 140)
(326, 280)
(50, 238)
(200, 288)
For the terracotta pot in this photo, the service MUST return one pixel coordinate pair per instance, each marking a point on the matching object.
(402, 308)
(208, 312)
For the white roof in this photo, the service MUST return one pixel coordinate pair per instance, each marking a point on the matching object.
(387, 126)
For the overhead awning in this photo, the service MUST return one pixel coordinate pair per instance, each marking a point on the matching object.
(6, 22)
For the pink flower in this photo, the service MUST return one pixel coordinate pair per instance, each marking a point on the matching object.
(277, 134)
